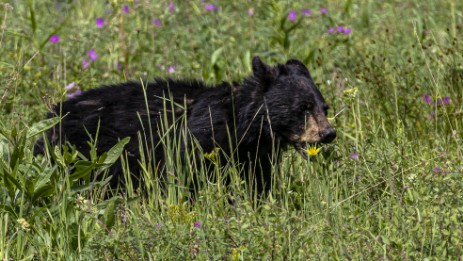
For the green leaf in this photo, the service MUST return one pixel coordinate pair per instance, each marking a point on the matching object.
(115, 152)
(42, 126)
(215, 55)
(83, 169)
(43, 192)
(32, 18)
(110, 213)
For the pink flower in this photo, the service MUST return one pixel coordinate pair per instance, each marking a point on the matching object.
(157, 22)
(251, 11)
(171, 69)
(323, 10)
(292, 15)
(125, 9)
(100, 22)
(93, 55)
(427, 98)
(307, 12)
(85, 63)
(70, 86)
(54, 38)
(347, 30)
(211, 7)
(354, 156)
(331, 30)
(171, 7)
(197, 224)
(340, 29)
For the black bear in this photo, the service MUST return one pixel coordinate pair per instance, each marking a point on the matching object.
(272, 109)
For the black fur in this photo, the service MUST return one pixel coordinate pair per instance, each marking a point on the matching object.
(266, 113)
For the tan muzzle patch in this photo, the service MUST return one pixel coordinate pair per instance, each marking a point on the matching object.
(315, 125)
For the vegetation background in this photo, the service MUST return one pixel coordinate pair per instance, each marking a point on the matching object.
(390, 188)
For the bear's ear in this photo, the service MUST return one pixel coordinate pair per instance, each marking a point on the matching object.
(262, 71)
(299, 65)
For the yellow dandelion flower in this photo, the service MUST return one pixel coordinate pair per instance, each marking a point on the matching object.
(312, 151)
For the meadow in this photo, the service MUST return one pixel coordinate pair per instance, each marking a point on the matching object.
(388, 188)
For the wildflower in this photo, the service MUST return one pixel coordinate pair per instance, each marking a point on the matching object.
(211, 7)
(24, 224)
(157, 22)
(323, 10)
(347, 31)
(171, 69)
(350, 93)
(437, 170)
(251, 11)
(197, 224)
(292, 15)
(427, 98)
(70, 86)
(340, 29)
(331, 30)
(307, 12)
(100, 22)
(212, 155)
(125, 9)
(444, 101)
(54, 38)
(72, 95)
(312, 151)
(85, 63)
(354, 156)
(93, 55)
(236, 254)
(171, 7)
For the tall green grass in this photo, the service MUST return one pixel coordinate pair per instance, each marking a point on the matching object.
(388, 188)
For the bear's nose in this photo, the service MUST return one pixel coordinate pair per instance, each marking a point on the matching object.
(328, 136)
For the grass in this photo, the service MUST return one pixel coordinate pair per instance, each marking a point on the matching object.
(391, 189)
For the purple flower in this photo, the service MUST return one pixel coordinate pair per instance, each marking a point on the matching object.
(157, 22)
(54, 38)
(85, 63)
(354, 156)
(70, 86)
(171, 7)
(74, 94)
(251, 11)
(93, 55)
(171, 69)
(340, 29)
(427, 98)
(125, 9)
(444, 101)
(323, 10)
(331, 30)
(292, 15)
(347, 30)
(100, 22)
(211, 7)
(307, 12)
(197, 224)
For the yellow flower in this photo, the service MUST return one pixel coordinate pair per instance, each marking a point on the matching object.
(24, 224)
(312, 151)
(236, 254)
(213, 155)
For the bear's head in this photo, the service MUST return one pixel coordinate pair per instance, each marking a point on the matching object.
(295, 108)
